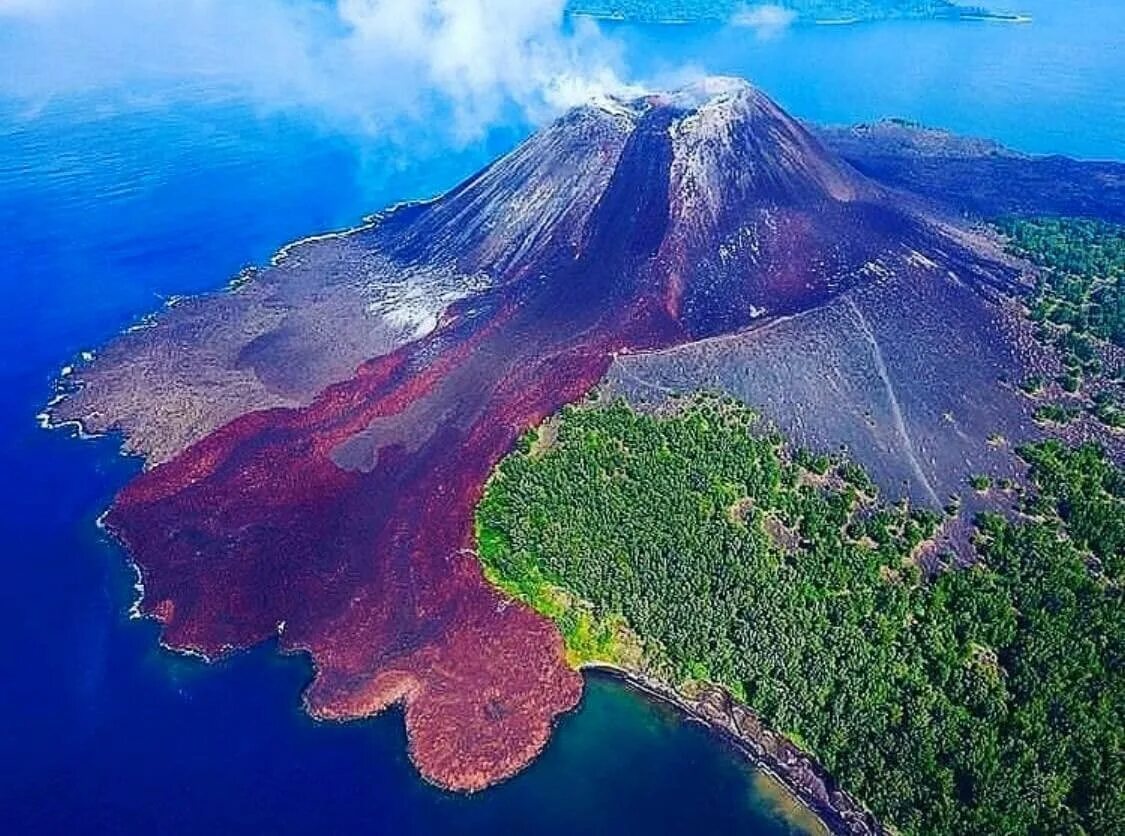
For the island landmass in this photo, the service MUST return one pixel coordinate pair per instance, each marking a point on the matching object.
(780, 12)
(322, 484)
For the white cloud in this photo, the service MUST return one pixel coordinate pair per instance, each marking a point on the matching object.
(767, 21)
(364, 63)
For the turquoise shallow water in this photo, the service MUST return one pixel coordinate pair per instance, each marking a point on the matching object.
(105, 211)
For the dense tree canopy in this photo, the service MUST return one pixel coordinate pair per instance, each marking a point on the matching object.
(1083, 265)
(1079, 302)
(983, 700)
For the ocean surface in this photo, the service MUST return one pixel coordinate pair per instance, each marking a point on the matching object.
(110, 206)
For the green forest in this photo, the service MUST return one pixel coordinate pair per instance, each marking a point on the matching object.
(1079, 307)
(1083, 265)
(697, 544)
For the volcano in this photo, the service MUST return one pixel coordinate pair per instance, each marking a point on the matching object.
(317, 436)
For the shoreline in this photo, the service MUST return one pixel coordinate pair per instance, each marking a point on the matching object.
(366, 223)
(774, 754)
(68, 380)
(795, 772)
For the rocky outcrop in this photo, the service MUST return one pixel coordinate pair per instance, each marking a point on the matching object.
(978, 177)
(804, 777)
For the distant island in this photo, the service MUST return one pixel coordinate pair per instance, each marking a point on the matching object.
(784, 11)
(817, 433)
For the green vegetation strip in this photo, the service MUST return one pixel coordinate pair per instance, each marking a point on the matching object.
(984, 700)
(1079, 303)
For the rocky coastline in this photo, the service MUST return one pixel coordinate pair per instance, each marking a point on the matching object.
(782, 759)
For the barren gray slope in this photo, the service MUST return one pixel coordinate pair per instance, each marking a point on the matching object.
(330, 303)
(978, 176)
(912, 372)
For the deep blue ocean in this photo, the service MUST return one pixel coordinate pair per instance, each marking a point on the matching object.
(107, 210)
